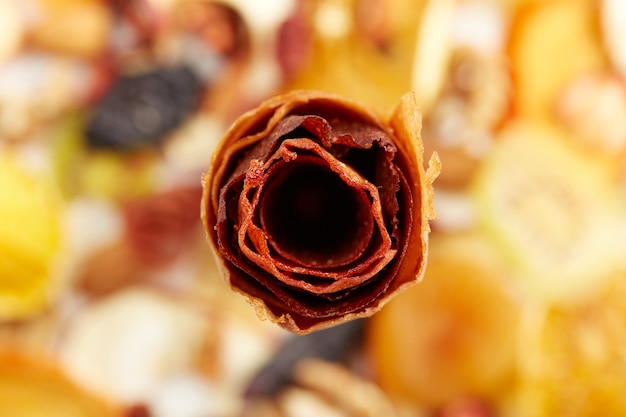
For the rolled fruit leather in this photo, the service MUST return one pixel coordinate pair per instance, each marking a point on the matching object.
(318, 209)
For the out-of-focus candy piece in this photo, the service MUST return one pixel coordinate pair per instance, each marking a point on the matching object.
(445, 27)
(190, 146)
(158, 230)
(126, 345)
(71, 27)
(333, 344)
(553, 209)
(474, 100)
(98, 173)
(29, 239)
(11, 29)
(571, 360)
(345, 62)
(190, 395)
(33, 386)
(324, 388)
(110, 175)
(552, 42)
(433, 47)
(36, 88)
(593, 106)
(462, 81)
(613, 28)
(453, 335)
(159, 227)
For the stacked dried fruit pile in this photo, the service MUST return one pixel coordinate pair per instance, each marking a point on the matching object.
(110, 302)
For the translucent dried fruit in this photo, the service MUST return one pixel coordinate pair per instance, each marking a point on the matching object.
(552, 208)
(318, 209)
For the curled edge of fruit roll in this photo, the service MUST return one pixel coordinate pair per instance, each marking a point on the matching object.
(296, 302)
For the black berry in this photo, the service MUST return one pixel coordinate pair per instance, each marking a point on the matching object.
(140, 110)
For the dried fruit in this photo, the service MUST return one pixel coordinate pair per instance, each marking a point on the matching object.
(572, 358)
(551, 43)
(554, 210)
(451, 337)
(319, 210)
(159, 226)
(593, 107)
(612, 16)
(140, 110)
(31, 386)
(29, 240)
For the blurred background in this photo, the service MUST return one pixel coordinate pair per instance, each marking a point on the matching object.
(110, 302)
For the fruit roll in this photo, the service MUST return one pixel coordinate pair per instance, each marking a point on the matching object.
(318, 208)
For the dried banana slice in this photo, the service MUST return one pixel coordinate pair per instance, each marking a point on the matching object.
(552, 208)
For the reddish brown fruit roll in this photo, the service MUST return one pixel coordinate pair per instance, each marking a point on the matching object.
(318, 209)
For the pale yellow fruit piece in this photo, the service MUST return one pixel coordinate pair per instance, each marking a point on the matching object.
(452, 335)
(551, 43)
(552, 208)
(29, 239)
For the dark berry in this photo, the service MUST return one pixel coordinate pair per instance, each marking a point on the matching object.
(140, 110)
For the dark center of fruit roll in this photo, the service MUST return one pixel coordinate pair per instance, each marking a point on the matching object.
(313, 217)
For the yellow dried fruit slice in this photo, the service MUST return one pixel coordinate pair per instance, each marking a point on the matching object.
(29, 239)
(552, 208)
